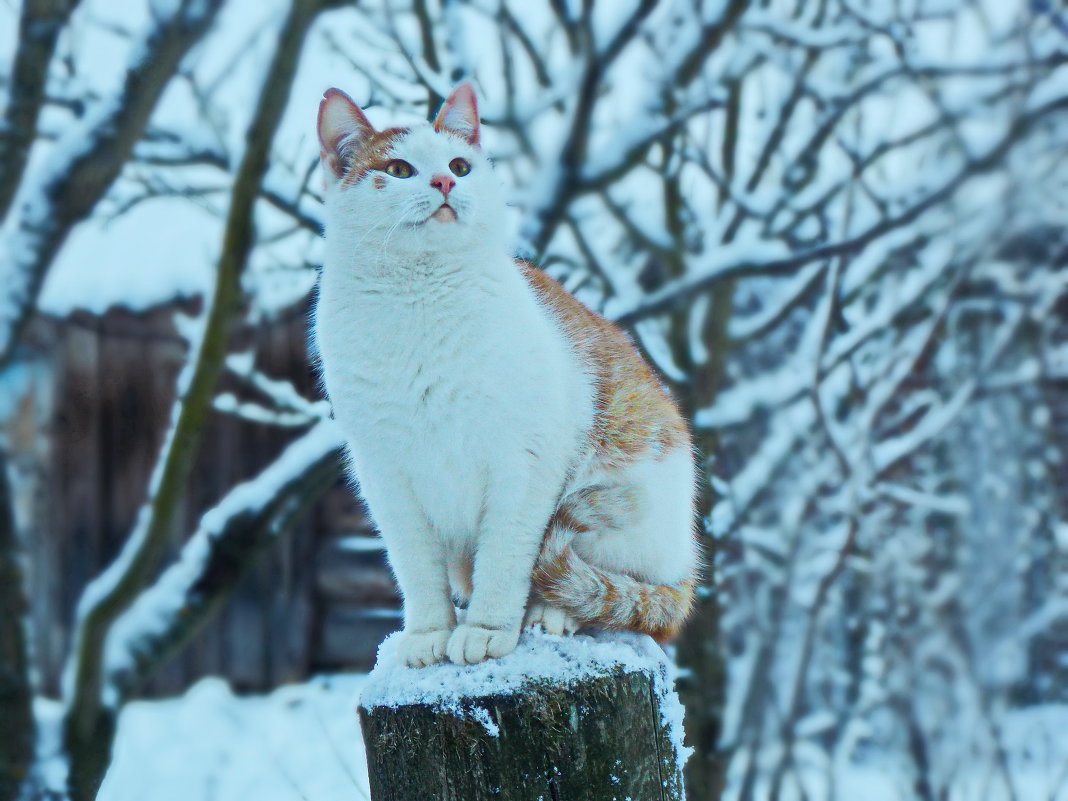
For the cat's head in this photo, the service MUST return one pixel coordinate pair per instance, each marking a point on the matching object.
(423, 188)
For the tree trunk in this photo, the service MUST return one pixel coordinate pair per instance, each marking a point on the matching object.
(599, 737)
(16, 711)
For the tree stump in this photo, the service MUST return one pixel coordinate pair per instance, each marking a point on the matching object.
(583, 718)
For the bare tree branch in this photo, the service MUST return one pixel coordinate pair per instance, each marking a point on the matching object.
(87, 160)
(18, 733)
(90, 722)
(251, 518)
(40, 24)
(685, 288)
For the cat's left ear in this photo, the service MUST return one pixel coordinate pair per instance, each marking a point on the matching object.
(459, 114)
(342, 127)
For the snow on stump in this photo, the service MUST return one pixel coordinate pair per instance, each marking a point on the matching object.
(583, 718)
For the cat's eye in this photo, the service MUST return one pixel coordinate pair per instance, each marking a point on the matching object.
(460, 167)
(400, 169)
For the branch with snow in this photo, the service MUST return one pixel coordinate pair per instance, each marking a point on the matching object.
(18, 734)
(89, 722)
(40, 23)
(86, 161)
(288, 407)
(251, 518)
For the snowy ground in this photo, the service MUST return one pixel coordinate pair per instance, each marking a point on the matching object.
(301, 742)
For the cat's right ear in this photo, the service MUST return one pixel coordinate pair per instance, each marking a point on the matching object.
(342, 126)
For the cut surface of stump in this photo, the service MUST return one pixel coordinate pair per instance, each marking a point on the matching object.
(582, 718)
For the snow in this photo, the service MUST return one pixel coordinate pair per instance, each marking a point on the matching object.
(301, 741)
(257, 413)
(360, 544)
(175, 241)
(281, 391)
(51, 764)
(1049, 89)
(539, 657)
(897, 388)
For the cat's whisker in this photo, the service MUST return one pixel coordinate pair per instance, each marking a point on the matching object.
(384, 220)
(409, 207)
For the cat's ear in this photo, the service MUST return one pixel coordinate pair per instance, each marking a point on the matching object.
(459, 114)
(342, 126)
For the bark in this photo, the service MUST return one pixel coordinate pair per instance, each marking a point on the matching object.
(700, 651)
(39, 26)
(16, 694)
(601, 738)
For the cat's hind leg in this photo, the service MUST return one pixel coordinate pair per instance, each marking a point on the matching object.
(552, 619)
(459, 566)
(621, 551)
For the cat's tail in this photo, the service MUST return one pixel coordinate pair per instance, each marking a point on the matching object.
(600, 597)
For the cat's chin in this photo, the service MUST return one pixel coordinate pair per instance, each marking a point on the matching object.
(444, 214)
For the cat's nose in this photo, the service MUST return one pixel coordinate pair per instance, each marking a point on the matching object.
(443, 183)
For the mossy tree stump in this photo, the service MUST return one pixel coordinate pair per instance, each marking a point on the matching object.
(603, 736)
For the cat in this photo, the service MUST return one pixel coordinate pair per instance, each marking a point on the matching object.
(502, 434)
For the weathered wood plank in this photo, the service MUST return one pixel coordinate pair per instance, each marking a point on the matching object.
(97, 396)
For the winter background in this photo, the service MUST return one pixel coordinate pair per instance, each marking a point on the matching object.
(837, 228)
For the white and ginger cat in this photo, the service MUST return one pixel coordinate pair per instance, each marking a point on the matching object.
(503, 434)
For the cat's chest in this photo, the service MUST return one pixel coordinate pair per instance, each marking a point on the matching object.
(434, 371)
(403, 356)
(443, 399)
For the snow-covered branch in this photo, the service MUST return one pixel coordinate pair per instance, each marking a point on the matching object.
(87, 159)
(89, 723)
(251, 518)
(715, 272)
(18, 734)
(40, 23)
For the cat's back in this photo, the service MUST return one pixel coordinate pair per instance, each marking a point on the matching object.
(634, 415)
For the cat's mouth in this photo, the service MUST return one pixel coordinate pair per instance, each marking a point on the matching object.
(444, 214)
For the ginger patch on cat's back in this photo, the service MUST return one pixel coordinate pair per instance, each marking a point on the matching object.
(634, 413)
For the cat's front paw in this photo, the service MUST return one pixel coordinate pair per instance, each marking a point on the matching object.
(552, 619)
(470, 644)
(422, 648)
